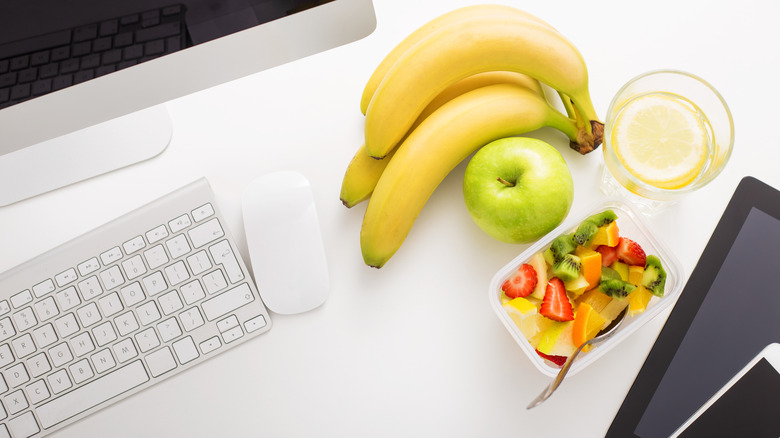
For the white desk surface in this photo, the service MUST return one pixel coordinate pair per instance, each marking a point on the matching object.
(413, 349)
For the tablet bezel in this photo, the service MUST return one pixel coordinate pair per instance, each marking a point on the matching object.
(749, 193)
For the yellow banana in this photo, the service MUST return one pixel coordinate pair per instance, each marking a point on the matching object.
(469, 47)
(363, 171)
(434, 148)
(465, 13)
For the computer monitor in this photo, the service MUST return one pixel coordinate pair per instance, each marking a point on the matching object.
(83, 83)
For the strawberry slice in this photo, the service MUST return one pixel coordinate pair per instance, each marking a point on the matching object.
(608, 254)
(556, 304)
(557, 360)
(521, 283)
(630, 252)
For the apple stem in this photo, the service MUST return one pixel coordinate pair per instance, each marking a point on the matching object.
(505, 182)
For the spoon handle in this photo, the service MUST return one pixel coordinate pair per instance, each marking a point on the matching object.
(565, 369)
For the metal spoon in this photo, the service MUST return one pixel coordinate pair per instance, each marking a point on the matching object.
(603, 335)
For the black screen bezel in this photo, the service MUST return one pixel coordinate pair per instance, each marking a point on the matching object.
(750, 193)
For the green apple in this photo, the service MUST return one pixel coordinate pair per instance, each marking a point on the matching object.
(518, 189)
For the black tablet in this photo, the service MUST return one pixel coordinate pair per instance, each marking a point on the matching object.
(728, 312)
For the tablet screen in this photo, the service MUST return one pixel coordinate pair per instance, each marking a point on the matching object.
(727, 313)
(756, 394)
(738, 318)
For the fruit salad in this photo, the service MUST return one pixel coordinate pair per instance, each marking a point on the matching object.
(574, 287)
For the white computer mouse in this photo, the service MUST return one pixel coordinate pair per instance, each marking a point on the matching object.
(285, 244)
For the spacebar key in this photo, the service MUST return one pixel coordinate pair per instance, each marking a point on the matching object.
(92, 394)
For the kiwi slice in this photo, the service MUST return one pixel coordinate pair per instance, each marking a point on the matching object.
(585, 232)
(608, 273)
(616, 288)
(567, 268)
(590, 226)
(654, 277)
(562, 245)
(606, 217)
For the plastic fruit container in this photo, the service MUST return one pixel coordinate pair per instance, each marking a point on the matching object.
(632, 227)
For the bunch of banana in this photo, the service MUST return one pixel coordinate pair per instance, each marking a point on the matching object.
(364, 171)
(459, 82)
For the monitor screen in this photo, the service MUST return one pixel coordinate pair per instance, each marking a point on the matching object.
(78, 78)
(48, 45)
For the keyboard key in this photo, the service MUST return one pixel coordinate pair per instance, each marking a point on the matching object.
(81, 371)
(147, 340)
(100, 390)
(6, 329)
(192, 292)
(6, 357)
(104, 334)
(68, 298)
(24, 426)
(43, 288)
(185, 350)
(64, 278)
(88, 314)
(41, 87)
(206, 233)
(25, 319)
(15, 402)
(169, 329)
(177, 273)
(134, 267)
(157, 234)
(38, 365)
(178, 246)
(191, 319)
(109, 27)
(16, 375)
(110, 304)
(134, 245)
(199, 263)
(82, 344)
(88, 32)
(111, 255)
(132, 294)
(60, 354)
(202, 212)
(22, 298)
(156, 257)
(4, 307)
(112, 277)
(170, 302)
(90, 287)
(124, 350)
(103, 361)
(46, 309)
(223, 255)
(160, 362)
(255, 323)
(179, 223)
(38, 392)
(158, 32)
(214, 282)
(232, 334)
(227, 323)
(59, 381)
(66, 325)
(148, 313)
(210, 345)
(126, 323)
(23, 345)
(45, 335)
(227, 302)
(89, 266)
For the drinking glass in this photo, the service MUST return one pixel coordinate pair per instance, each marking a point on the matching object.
(714, 114)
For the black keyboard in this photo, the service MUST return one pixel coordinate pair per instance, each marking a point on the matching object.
(46, 63)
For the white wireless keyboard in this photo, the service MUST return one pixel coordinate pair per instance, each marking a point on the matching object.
(119, 309)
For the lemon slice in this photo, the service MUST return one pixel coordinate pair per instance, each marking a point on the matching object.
(661, 139)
